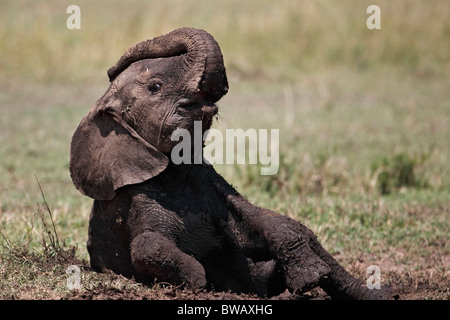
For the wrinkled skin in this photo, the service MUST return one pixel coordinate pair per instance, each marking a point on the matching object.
(184, 224)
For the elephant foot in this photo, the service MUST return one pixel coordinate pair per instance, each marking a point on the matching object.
(305, 273)
(290, 242)
(155, 257)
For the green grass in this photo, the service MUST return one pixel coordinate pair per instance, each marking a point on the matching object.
(334, 148)
(363, 118)
(259, 39)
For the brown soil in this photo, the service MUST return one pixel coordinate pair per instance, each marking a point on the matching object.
(411, 277)
(431, 282)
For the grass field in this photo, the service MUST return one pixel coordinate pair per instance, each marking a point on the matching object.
(363, 117)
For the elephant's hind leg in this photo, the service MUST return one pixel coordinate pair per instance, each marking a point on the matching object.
(340, 284)
(155, 257)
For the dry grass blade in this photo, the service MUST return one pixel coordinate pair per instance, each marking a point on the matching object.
(55, 237)
(54, 248)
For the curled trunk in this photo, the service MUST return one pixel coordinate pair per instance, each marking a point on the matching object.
(203, 69)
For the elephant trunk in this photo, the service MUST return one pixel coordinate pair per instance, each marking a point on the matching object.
(203, 65)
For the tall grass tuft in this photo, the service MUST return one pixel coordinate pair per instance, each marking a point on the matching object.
(393, 173)
(53, 247)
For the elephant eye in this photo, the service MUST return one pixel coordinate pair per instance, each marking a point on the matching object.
(155, 87)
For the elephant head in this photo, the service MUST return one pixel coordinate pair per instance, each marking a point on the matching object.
(157, 86)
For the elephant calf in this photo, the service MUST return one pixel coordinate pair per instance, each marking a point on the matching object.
(184, 224)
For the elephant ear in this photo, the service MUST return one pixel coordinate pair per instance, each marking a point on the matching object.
(106, 153)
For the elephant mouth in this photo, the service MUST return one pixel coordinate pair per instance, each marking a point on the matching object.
(203, 112)
(184, 116)
(210, 109)
(197, 110)
(199, 107)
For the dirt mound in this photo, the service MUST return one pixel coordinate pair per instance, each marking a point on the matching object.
(111, 293)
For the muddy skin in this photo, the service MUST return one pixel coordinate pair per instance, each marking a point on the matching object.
(189, 227)
(184, 224)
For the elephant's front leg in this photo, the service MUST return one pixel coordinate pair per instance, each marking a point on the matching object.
(155, 257)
